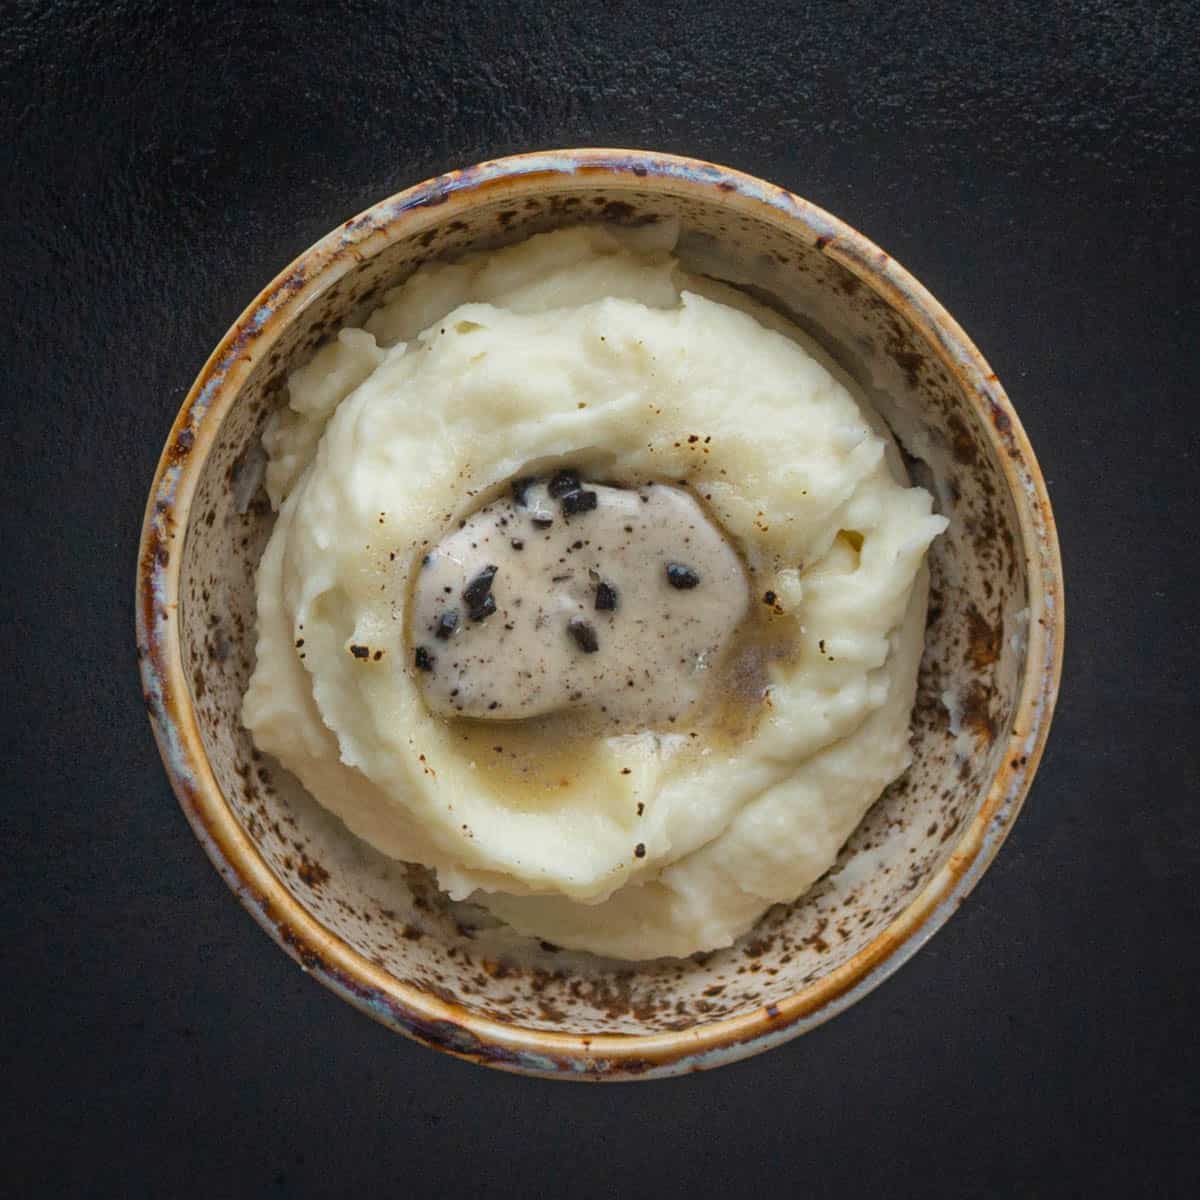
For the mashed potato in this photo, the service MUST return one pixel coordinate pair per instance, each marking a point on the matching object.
(591, 348)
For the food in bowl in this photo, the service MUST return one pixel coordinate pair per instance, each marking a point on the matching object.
(593, 590)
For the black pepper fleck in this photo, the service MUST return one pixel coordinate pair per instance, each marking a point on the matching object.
(447, 623)
(768, 597)
(360, 651)
(517, 544)
(639, 851)
(423, 659)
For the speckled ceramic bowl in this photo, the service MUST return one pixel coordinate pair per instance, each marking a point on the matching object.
(376, 931)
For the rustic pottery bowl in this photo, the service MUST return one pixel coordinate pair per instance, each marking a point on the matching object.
(377, 932)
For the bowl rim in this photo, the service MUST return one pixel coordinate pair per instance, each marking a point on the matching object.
(449, 1026)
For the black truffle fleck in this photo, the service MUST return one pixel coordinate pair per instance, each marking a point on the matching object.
(483, 609)
(584, 635)
(447, 623)
(477, 595)
(578, 502)
(606, 597)
(680, 576)
(423, 659)
(562, 483)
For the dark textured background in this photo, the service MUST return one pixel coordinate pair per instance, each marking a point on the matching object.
(1036, 165)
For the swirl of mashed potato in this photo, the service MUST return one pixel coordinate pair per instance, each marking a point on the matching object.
(590, 347)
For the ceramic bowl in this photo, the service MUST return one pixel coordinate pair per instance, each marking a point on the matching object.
(376, 931)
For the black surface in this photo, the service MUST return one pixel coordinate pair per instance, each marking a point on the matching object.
(1034, 165)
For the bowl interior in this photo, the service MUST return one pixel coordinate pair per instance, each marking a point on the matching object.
(970, 677)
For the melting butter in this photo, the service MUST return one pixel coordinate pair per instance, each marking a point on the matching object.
(573, 595)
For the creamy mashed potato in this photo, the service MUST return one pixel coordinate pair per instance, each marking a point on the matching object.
(591, 348)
